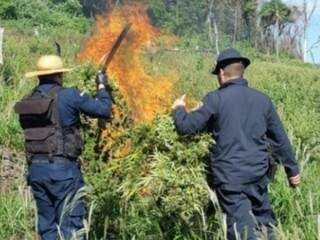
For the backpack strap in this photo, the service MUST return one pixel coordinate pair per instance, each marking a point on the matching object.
(53, 94)
(55, 118)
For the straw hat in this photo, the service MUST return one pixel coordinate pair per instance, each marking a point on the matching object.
(47, 65)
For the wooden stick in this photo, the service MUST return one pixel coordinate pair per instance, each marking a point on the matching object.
(1, 44)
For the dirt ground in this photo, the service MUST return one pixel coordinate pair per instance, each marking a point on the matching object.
(11, 169)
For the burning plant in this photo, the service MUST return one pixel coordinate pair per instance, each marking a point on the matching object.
(153, 179)
(145, 95)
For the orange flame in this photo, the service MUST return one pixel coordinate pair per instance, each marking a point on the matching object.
(145, 95)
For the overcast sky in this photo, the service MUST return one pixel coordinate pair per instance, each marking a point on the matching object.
(314, 28)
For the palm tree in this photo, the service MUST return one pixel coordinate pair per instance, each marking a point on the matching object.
(275, 14)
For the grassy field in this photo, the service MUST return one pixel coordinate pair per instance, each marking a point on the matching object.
(157, 191)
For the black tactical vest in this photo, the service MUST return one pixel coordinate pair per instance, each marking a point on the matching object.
(39, 118)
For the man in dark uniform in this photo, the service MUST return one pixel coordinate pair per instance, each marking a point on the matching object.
(244, 123)
(51, 123)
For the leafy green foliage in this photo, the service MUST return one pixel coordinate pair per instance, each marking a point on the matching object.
(158, 188)
(274, 11)
(7, 10)
(180, 16)
(45, 13)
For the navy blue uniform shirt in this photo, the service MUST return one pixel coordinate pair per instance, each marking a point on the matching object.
(72, 102)
(243, 122)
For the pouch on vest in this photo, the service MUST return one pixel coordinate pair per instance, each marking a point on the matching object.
(40, 140)
(73, 143)
(35, 114)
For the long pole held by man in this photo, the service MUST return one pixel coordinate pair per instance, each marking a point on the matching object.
(50, 118)
(244, 123)
(1, 45)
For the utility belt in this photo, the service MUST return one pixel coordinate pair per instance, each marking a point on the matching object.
(45, 158)
(235, 187)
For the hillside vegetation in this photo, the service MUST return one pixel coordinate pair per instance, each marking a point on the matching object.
(157, 190)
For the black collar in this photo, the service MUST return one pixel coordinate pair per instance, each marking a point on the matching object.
(48, 82)
(236, 81)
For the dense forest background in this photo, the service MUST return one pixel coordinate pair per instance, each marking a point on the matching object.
(269, 26)
(143, 180)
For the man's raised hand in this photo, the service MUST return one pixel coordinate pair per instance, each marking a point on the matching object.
(180, 102)
(101, 80)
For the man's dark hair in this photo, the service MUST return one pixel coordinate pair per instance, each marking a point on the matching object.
(52, 78)
(235, 69)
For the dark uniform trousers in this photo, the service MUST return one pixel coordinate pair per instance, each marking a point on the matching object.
(55, 186)
(248, 210)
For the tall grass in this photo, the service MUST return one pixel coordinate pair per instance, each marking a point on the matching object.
(17, 219)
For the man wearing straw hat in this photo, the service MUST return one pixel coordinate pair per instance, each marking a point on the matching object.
(244, 123)
(50, 119)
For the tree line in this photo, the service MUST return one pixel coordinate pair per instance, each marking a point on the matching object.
(270, 26)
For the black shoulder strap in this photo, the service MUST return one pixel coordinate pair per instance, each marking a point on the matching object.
(33, 92)
(53, 91)
(55, 118)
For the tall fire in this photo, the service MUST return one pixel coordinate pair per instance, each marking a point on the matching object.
(145, 95)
